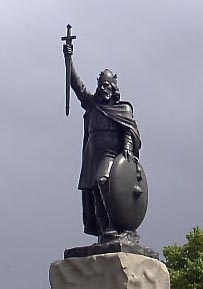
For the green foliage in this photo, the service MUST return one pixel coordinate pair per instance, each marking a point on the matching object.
(185, 263)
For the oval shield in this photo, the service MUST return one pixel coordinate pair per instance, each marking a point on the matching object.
(128, 194)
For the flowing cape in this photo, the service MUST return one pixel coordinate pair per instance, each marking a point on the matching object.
(122, 112)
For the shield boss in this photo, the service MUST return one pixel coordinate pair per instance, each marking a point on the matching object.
(128, 204)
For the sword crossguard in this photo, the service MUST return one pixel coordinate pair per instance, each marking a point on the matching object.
(69, 37)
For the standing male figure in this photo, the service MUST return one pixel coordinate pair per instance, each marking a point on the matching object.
(109, 130)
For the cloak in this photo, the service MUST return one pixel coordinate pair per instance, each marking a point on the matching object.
(121, 113)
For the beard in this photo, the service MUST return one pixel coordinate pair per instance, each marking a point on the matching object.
(104, 96)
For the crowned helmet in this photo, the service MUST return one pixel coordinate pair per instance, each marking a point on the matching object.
(107, 75)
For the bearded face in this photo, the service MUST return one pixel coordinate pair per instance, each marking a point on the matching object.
(104, 91)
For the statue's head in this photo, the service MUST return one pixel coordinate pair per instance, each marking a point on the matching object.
(107, 87)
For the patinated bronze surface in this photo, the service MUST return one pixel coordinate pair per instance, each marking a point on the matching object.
(128, 193)
(68, 39)
(113, 183)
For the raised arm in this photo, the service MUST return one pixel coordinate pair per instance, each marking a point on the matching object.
(77, 85)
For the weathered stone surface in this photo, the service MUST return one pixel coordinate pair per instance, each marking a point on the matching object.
(109, 271)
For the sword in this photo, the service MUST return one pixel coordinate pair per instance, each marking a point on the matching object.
(68, 40)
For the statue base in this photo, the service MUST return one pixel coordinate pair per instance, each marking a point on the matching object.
(127, 242)
(113, 270)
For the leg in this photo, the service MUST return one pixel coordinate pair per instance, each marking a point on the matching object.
(100, 211)
(102, 184)
(89, 216)
(102, 177)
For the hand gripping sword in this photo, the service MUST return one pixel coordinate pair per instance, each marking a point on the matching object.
(68, 40)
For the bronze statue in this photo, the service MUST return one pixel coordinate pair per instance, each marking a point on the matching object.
(113, 184)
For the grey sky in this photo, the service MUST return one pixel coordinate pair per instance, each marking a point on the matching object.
(156, 48)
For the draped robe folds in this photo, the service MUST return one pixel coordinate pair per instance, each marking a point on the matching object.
(121, 115)
(104, 129)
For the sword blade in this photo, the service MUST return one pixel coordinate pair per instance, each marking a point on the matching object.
(68, 81)
(68, 40)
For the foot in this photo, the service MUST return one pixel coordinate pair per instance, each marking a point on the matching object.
(109, 235)
(110, 232)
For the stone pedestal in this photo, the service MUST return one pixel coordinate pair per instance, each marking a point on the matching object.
(109, 271)
(127, 242)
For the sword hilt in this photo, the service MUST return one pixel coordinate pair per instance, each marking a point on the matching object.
(69, 37)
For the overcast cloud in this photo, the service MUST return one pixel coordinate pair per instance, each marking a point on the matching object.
(156, 48)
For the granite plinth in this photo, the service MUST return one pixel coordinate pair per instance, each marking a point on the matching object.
(108, 271)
